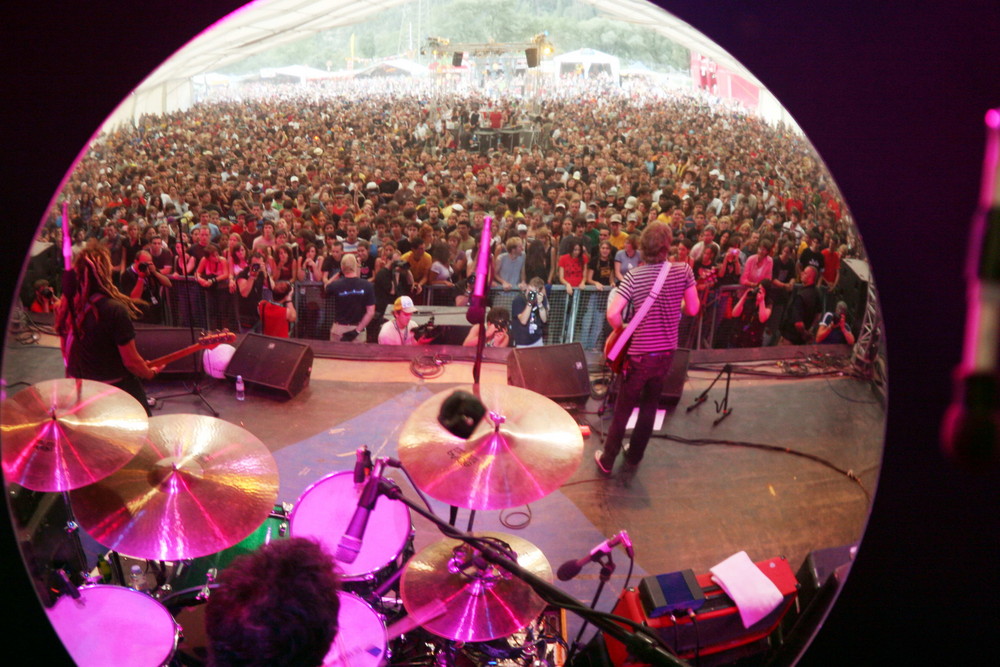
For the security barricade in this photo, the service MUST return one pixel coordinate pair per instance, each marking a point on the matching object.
(575, 318)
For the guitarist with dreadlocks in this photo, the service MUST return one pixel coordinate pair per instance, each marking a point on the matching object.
(95, 327)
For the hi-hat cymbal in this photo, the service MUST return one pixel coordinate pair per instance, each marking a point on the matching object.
(523, 449)
(199, 485)
(481, 601)
(62, 434)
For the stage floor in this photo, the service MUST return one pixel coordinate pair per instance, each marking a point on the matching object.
(687, 506)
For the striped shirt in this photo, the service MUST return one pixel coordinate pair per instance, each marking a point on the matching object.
(658, 330)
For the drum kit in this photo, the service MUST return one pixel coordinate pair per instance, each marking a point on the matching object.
(182, 496)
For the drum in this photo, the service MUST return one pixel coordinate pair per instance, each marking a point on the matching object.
(113, 625)
(362, 639)
(324, 510)
(189, 578)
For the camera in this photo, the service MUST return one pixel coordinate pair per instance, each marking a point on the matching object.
(48, 293)
(144, 267)
(532, 297)
(399, 264)
(254, 269)
(754, 292)
(427, 330)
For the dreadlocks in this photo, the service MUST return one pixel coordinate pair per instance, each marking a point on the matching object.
(92, 271)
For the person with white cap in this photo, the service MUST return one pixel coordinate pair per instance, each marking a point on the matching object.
(399, 330)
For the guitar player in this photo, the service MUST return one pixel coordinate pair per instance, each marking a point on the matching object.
(95, 327)
(652, 341)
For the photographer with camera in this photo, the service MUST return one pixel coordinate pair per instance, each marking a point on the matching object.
(45, 300)
(834, 329)
(143, 281)
(751, 313)
(401, 329)
(531, 308)
(250, 285)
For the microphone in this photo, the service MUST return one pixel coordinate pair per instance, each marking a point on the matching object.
(476, 314)
(362, 464)
(350, 543)
(969, 428)
(571, 568)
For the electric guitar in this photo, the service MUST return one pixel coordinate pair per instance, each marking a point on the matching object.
(617, 364)
(206, 341)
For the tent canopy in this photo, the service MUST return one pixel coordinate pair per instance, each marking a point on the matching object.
(590, 61)
(265, 24)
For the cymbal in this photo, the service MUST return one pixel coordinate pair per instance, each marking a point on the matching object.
(481, 601)
(522, 450)
(198, 486)
(62, 434)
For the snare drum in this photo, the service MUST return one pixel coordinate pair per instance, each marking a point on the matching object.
(324, 510)
(362, 639)
(113, 625)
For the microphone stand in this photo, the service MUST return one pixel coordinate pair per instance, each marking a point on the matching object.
(607, 569)
(642, 643)
(476, 313)
(196, 368)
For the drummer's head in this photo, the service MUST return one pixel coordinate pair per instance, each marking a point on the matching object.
(275, 606)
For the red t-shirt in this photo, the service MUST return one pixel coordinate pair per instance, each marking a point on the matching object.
(273, 319)
(831, 263)
(573, 268)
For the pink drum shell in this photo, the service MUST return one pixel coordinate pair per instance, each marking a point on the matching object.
(114, 625)
(324, 510)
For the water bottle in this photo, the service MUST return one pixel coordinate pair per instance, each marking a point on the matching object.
(240, 388)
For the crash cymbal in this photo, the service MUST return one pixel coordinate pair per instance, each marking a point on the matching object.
(199, 485)
(63, 434)
(481, 601)
(522, 450)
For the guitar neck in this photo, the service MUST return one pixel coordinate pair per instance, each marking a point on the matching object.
(174, 356)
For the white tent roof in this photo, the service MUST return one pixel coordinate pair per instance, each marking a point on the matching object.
(403, 64)
(586, 55)
(265, 24)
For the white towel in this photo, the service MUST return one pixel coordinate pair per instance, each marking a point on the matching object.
(755, 595)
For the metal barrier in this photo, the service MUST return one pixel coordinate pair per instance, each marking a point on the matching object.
(576, 318)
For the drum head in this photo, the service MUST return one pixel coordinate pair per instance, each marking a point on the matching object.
(324, 511)
(361, 639)
(111, 625)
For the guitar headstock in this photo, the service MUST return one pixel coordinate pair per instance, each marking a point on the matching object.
(216, 338)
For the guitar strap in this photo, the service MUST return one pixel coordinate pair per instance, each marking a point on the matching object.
(646, 305)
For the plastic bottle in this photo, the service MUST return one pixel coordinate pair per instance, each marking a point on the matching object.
(240, 388)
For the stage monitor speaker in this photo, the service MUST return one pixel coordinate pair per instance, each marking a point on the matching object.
(556, 371)
(160, 341)
(531, 55)
(673, 383)
(456, 59)
(274, 363)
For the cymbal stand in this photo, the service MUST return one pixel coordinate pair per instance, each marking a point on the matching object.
(722, 407)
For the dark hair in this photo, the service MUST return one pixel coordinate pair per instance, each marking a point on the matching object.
(276, 606)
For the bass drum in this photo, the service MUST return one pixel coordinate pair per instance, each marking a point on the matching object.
(189, 578)
(113, 625)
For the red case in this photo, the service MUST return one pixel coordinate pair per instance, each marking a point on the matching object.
(717, 626)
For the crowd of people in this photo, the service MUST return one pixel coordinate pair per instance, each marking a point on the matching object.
(378, 190)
